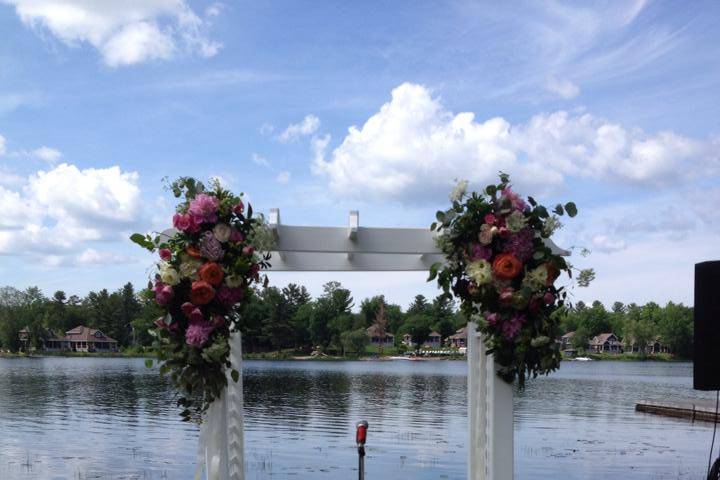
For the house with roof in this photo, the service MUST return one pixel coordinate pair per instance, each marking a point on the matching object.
(81, 339)
(654, 346)
(458, 339)
(605, 343)
(379, 337)
(434, 340)
(566, 345)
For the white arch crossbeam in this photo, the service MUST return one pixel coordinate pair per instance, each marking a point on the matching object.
(355, 248)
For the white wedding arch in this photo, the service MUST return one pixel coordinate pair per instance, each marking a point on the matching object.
(356, 248)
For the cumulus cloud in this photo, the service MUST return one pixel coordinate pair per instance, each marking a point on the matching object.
(58, 210)
(413, 148)
(308, 126)
(125, 33)
(50, 155)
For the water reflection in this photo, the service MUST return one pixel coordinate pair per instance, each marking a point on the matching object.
(77, 418)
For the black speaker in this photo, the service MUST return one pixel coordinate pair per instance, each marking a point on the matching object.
(706, 365)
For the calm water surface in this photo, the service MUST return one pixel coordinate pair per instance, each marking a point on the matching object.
(98, 418)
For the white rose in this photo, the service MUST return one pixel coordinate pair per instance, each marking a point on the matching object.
(188, 268)
(233, 281)
(222, 232)
(459, 191)
(480, 271)
(169, 276)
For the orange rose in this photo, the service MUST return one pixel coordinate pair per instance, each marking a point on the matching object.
(211, 273)
(201, 292)
(506, 266)
(193, 251)
(552, 273)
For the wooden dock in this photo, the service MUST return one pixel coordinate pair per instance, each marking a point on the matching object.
(695, 410)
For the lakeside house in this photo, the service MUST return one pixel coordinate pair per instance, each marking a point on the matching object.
(458, 339)
(566, 345)
(380, 338)
(653, 346)
(81, 339)
(605, 343)
(434, 340)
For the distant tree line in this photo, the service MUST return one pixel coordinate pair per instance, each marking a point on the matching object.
(639, 324)
(289, 318)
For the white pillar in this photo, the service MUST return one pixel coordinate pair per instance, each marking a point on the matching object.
(490, 415)
(236, 424)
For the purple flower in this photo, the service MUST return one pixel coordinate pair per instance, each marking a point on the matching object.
(165, 254)
(204, 208)
(229, 296)
(520, 244)
(512, 326)
(516, 201)
(480, 252)
(236, 236)
(198, 333)
(491, 318)
(210, 247)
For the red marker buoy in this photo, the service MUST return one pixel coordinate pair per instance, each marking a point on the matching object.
(360, 438)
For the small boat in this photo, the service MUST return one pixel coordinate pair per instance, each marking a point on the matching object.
(583, 359)
(399, 358)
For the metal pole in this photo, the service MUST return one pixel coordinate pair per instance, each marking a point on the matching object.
(360, 438)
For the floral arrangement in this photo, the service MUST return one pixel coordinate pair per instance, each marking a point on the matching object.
(205, 271)
(504, 273)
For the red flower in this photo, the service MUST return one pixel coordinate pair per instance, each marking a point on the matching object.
(506, 266)
(193, 251)
(201, 293)
(211, 273)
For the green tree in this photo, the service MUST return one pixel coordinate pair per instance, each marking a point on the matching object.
(354, 341)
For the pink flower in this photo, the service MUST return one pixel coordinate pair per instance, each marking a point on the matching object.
(165, 254)
(490, 219)
(236, 236)
(238, 209)
(198, 333)
(506, 296)
(204, 208)
(196, 315)
(516, 201)
(491, 318)
(187, 308)
(512, 326)
(164, 295)
(248, 250)
(185, 223)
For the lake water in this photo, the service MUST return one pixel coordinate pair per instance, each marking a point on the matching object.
(102, 418)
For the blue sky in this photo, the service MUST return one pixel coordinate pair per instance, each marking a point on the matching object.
(322, 107)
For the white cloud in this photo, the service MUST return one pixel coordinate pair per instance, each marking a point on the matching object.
(125, 33)
(57, 211)
(259, 160)
(308, 126)
(565, 88)
(2, 145)
(91, 257)
(283, 177)
(413, 148)
(267, 128)
(47, 154)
